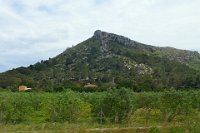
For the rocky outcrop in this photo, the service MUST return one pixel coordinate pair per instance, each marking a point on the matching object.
(178, 55)
(105, 38)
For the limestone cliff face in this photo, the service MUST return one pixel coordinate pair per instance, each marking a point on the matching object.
(106, 37)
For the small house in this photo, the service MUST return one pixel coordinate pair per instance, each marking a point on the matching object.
(90, 86)
(23, 88)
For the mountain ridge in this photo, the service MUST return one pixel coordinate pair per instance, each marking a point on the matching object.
(182, 56)
(108, 59)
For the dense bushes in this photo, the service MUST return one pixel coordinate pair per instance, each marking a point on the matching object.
(124, 106)
(43, 107)
(113, 106)
(67, 107)
(14, 108)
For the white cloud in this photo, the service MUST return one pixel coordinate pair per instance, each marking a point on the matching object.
(32, 30)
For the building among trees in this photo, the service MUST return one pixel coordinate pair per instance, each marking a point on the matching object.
(23, 88)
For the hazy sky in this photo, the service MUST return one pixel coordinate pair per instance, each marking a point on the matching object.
(32, 30)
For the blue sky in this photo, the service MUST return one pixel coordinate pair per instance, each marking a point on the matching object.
(34, 30)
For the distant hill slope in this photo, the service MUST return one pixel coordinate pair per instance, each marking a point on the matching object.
(108, 59)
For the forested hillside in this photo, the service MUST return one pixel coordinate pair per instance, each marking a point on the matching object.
(110, 60)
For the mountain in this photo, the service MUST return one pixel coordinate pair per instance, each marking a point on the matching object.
(107, 60)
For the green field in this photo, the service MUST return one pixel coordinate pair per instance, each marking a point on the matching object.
(114, 111)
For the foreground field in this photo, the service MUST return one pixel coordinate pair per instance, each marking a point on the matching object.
(113, 111)
(72, 128)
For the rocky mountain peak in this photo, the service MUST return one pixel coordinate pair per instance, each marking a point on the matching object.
(106, 37)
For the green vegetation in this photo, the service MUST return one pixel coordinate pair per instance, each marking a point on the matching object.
(163, 93)
(173, 110)
(120, 63)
